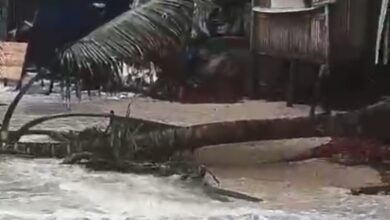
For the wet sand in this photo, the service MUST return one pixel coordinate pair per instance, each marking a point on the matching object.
(304, 186)
(255, 168)
(249, 167)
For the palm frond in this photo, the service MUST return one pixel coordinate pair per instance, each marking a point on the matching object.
(203, 9)
(137, 3)
(148, 30)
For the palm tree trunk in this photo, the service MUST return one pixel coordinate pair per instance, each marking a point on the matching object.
(12, 107)
(160, 145)
(372, 121)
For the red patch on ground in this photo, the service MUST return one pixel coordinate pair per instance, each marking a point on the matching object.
(352, 148)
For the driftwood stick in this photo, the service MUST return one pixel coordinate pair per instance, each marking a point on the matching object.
(230, 193)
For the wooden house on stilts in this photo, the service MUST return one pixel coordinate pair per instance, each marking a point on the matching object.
(329, 33)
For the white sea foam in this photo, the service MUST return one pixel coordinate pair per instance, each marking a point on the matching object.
(43, 189)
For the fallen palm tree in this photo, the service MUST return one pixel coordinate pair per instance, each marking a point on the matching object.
(131, 145)
(135, 140)
(131, 133)
(113, 149)
(371, 122)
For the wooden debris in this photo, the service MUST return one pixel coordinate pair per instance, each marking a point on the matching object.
(230, 193)
(372, 190)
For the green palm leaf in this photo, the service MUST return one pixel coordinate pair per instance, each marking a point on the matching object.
(150, 30)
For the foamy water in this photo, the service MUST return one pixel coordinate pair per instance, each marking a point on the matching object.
(43, 189)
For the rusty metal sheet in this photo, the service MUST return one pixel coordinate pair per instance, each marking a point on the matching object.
(12, 56)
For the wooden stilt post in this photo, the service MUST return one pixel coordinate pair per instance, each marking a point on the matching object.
(291, 84)
(317, 89)
(323, 72)
(254, 90)
(3, 19)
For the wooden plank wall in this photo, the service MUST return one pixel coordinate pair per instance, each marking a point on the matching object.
(303, 35)
(12, 56)
(291, 35)
(348, 24)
